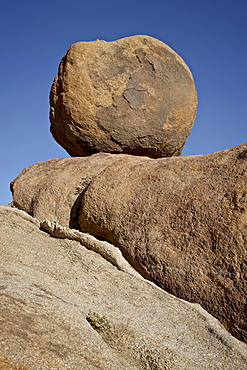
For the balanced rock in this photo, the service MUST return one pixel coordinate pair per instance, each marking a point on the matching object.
(65, 307)
(52, 190)
(181, 222)
(134, 95)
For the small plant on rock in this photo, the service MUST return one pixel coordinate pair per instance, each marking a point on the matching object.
(98, 323)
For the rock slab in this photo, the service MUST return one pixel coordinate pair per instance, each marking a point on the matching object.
(49, 288)
(134, 95)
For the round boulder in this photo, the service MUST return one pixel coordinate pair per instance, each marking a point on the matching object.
(134, 95)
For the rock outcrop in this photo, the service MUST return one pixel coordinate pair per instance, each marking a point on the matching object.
(65, 307)
(134, 95)
(180, 222)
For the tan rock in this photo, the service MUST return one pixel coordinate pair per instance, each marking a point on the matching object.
(65, 307)
(181, 222)
(52, 189)
(134, 95)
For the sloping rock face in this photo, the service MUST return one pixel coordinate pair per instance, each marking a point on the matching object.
(134, 95)
(52, 189)
(48, 287)
(181, 222)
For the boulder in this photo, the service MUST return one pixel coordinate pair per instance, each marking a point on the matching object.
(65, 307)
(182, 223)
(134, 95)
(52, 189)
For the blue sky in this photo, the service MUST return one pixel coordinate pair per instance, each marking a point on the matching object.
(210, 35)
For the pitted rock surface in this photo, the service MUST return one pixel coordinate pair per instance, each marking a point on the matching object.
(181, 222)
(134, 95)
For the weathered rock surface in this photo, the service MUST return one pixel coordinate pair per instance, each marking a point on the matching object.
(52, 189)
(134, 95)
(48, 287)
(181, 222)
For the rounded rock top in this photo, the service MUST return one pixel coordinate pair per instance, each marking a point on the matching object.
(134, 96)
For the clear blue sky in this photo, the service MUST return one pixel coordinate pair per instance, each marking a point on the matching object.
(210, 35)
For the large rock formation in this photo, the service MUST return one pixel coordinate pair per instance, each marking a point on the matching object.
(134, 95)
(180, 221)
(65, 307)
